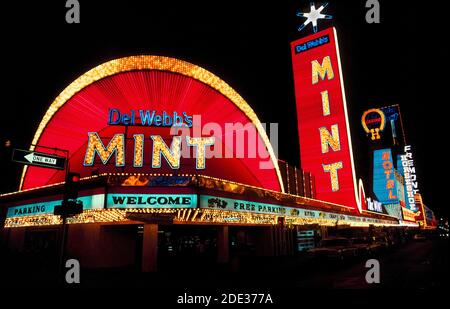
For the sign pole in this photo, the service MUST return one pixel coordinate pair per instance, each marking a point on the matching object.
(46, 160)
(64, 232)
(62, 251)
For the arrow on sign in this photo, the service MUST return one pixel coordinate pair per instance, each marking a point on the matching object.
(33, 158)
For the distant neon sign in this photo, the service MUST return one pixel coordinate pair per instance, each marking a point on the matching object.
(408, 215)
(373, 122)
(384, 181)
(410, 177)
(374, 205)
(233, 205)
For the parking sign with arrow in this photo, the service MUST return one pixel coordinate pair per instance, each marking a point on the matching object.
(38, 159)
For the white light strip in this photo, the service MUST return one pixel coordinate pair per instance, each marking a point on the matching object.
(380, 214)
(349, 137)
(406, 223)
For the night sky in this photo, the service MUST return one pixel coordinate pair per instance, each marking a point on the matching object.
(399, 61)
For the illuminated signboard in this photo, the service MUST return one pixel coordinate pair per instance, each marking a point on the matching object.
(207, 201)
(430, 218)
(151, 201)
(384, 125)
(384, 181)
(393, 210)
(44, 208)
(410, 177)
(324, 133)
(374, 205)
(302, 47)
(373, 121)
(227, 204)
(171, 154)
(400, 183)
(149, 118)
(420, 206)
(395, 125)
(408, 215)
(155, 115)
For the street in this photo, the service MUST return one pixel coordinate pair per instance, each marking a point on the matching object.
(417, 265)
(420, 265)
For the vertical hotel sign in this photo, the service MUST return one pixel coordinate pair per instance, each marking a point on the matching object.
(384, 179)
(325, 142)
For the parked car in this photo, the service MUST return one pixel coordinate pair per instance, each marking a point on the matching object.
(336, 248)
(364, 246)
(381, 242)
(419, 237)
(392, 240)
(361, 244)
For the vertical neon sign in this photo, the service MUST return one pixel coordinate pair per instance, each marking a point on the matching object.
(324, 133)
(411, 184)
(384, 179)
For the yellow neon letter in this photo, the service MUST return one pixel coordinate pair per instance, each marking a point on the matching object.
(321, 70)
(95, 145)
(332, 169)
(325, 103)
(138, 150)
(327, 139)
(171, 154)
(200, 143)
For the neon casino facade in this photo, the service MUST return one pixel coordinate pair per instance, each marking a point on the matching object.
(134, 129)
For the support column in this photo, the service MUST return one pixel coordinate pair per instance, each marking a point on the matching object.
(289, 242)
(275, 242)
(223, 249)
(284, 243)
(324, 231)
(150, 248)
(278, 242)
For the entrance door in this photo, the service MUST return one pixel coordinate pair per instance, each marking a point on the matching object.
(186, 247)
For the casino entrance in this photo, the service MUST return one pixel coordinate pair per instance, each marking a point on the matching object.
(191, 248)
(180, 248)
(188, 247)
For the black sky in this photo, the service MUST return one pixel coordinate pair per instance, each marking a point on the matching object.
(247, 44)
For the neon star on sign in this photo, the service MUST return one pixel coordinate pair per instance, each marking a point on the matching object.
(313, 16)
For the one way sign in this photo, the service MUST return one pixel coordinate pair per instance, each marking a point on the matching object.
(38, 159)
